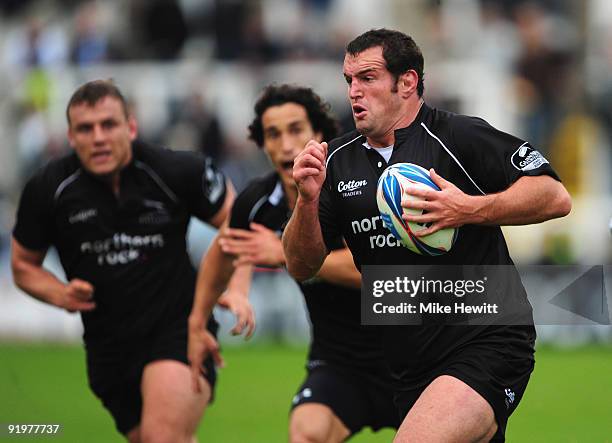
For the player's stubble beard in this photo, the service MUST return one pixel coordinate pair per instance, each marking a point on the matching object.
(367, 131)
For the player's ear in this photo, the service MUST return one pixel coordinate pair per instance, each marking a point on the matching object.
(318, 136)
(407, 83)
(132, 127)
(70, 136)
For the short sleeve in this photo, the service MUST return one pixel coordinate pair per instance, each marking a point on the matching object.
(34, 222)
(242, 207)
(200, 184)
(330, 227)
(494, 158)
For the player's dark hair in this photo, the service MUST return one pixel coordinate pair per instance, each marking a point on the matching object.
(92, 92)
(317, 110)
(400, 52)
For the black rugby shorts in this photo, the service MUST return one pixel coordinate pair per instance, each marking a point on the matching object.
(115, 375)
(353, 397)
(499, 373)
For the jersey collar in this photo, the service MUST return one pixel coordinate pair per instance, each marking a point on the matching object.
(403, 134)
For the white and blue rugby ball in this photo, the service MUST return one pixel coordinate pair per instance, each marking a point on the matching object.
(391, 187)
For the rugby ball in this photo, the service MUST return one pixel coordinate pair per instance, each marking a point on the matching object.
(391, 187)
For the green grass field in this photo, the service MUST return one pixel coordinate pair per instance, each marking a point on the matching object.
(569, 398)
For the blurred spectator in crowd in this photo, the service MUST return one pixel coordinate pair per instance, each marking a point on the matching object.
(160, 28)
(240, 33)
(498, 39)
(230, 17)
(542, 69)
(90, 42)
(37, 43)
(199, 125)
(603, 99)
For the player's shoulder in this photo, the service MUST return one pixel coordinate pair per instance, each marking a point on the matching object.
(439, 120)
(457, 121)
(179, 170)
(163, 159)
(344, 140)
(343, 144)
(55, 174)
(448, 124)
(256, 189)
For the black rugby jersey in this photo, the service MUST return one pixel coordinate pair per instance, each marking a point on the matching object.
(466, 151)
(337, 335)
(131, 248)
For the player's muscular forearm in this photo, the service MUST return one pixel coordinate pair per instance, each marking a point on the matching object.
(37, 282)
(303, 241)
(32, 278)
(529, 200)
(215, 271)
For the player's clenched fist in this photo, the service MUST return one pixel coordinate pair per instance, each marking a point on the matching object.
(309, 170)
(77, 296)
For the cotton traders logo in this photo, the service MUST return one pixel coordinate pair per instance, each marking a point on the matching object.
(525, 158)
(351, 188)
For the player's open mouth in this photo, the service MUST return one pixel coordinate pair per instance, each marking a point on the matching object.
(101, 156)
(359, 111)
(287, 166)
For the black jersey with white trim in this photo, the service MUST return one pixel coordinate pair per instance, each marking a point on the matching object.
(466, 151)
(337, 335)
(131, 247)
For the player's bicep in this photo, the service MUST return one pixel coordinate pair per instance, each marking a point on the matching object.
(328, 219)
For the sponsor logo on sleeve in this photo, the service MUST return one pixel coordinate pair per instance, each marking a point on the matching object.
(509, 400)
(214, 183)
(525, 158)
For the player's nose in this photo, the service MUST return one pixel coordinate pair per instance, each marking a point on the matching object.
(355, 90)
(98, 134)
(287, 144)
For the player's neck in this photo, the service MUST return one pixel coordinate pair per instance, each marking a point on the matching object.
(115, 183)
(405, 117)
(115, 177)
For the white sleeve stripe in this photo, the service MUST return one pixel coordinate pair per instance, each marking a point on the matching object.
(63, 185)
(453, 157)
(340, 147)
(256, 207)
(274, 198)
(157, 179)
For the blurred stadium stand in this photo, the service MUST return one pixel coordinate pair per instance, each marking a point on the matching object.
(192, 70)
